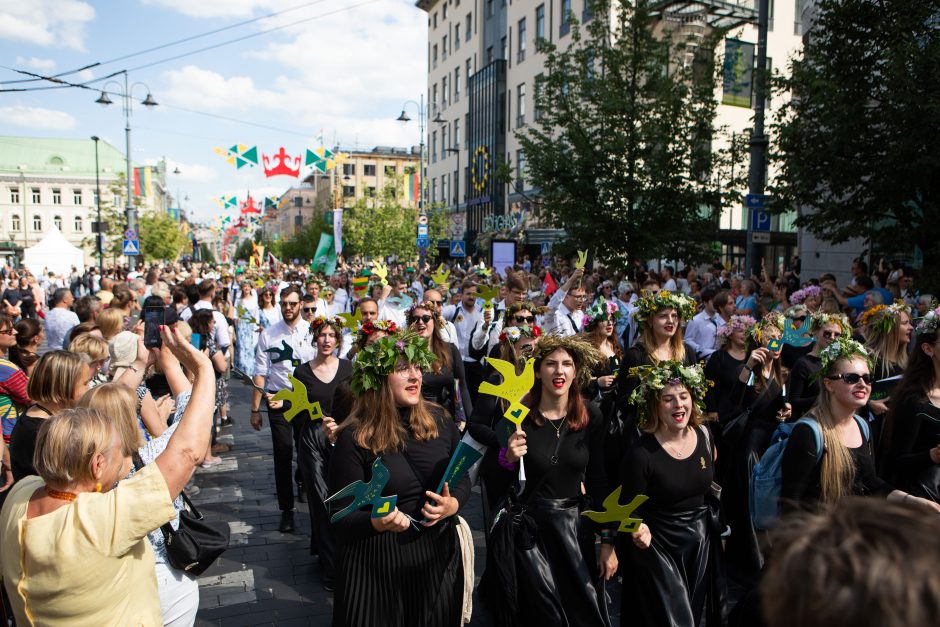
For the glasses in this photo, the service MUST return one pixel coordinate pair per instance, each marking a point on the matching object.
(406, 372)
(436, 302)
(426, 318)
(525, 319)
(831, 335)
(578, 296)
(309, 310)
(799, 318)
(290, 303)
(852, 377)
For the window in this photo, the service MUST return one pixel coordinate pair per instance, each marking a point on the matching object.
(489, 55)
(565, 26)
(370, 191)
(457, 36)
(445, 92)
(468, 27)
(37, 223)
(434, 147)
(520, 169)
(35, 194)
(504, 47)
(433, 102)
(798, 18)
(56, 196)
(520, 41)
(368, 170)
(349, 169)
(536, 113)
(489, 8)
(445, 11)
(15, 195)
(349, 191)
(434, 190)
(444, 48)
(469, 72)
(76, 196)
(15, 223)
(445, 183)
(457, 133)
(540, 22)
(456, 84)
(389, 170)
(77, 224)
(520, 105)
(435, 19)
(586, 13)
(444, 144)
(57, 221)
(434, 55)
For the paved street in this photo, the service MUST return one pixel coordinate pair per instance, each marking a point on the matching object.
(267, 577)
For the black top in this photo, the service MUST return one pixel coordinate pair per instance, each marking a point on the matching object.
(916, 430)
(12, 295)
(671, 484)
(790, 354)
(763, 404)
(722, 368)
(801, 471)
(438, 387)
(23, 444)
(803, 386)
(604, 368)
(323, 391)
(429, 459)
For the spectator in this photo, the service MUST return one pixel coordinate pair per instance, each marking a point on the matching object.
(60, 320)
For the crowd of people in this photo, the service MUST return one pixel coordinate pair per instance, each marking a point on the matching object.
(671, 390)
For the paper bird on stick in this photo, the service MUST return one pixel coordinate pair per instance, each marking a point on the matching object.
(352, 320)
(582, 260)
(283, 353)
(297, 397)
(440, 277)
(380, 270)
(367, 494)
(512, 388)
(488, 293)
(797, 336)
(244, 316)
(615, 512)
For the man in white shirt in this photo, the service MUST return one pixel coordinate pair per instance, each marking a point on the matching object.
(565, 313)
(466, 317)
(282, 347)
(60, 319)
(391, 295)
(341, 297)
(669, 283)
(702, 331)
(206, 293)
(486, 335)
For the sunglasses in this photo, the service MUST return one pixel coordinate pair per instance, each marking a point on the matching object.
(524, 319)
(799, 319)
(426, 318)
(830, 335)
(436, 302)
(290, 303)
(852, 377)
(310, 310)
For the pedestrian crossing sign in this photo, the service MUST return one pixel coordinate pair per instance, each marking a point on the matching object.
(131, 247)
(458, 248)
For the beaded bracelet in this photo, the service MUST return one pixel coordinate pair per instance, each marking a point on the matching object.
(504, 462)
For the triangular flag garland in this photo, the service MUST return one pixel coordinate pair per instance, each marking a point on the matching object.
(282, 162)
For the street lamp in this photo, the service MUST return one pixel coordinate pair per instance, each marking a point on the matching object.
(98, 234)
(422, 118)
(148, 102)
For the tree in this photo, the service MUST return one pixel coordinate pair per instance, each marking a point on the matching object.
(160, 237)
(114, 217)
(859, 147)
(621, 152)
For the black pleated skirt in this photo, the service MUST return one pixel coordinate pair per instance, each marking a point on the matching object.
(410, 579)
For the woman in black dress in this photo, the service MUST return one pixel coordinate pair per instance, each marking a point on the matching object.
(803, 384)
(445, 383)
(912, 431)
(672, 566)
(888, 330)
(321, 376)
(599, 326)
(560, 444)
(394, 570)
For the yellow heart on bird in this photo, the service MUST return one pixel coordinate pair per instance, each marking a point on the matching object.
(384, 509)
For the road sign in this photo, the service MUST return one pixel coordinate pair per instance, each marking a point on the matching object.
(131, 247)
(422, 219)
(755, 201)
(458, 248)
(546, 248)
(423, 230)
(130, 234)
(422, 241)
(760, 238)
(760, 220)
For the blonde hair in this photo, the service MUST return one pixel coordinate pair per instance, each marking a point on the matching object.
(110, 322)
(648, 341)
(67, 444)
(55, 377)
(886, 346)
(86, 344)
(837, 469)
(119, 403)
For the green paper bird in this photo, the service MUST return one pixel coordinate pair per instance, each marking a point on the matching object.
(380, 270)
(484, 271)
(243, 317)
(512, 388)
(615, 512)
(582, 259)
(352, 320)
(297, 397)
(284, 353)
(488, 293)
(367, 494)
(440, 277)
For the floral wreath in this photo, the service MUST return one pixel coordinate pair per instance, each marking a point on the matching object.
(821, 319)
(653, 379)
(842, 348)
(385, 326)
(796, 311)
(882, 318)
(378, 360)
(648, 304)
(772, 320)
(524, 305)
(930, 322)
(736, 323)
(435, 310)
(601, 310)
(584, 352)
(334, 321)
(514, 334)
(799, 296)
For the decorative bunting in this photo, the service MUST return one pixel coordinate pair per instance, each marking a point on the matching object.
(239, 155)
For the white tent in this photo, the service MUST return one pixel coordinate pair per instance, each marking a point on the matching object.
(55, 254)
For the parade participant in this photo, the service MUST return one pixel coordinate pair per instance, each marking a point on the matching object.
(466, 317)
(561, 443)
(60, 319)
(370, 331)
(445, 378)
(487, 334)
(702, 331)
(888, 330)
(100, 529)
(564, 315)
(268, 312)
(723, 366)
(321, 377)
(247, 328)
(671, 564)
(448, 331)
(279, 346)
(599, 325)
(912, 430)
(203, 322)
(30, 335)
(847, 467)
(809, 296)
(207, 291)
(13, 396)
(803, 384)
(393, 570)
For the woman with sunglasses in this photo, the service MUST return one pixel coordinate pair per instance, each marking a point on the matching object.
(445, 379)
(803, 384)
(13, 396)
(847, 465)
(268, 311)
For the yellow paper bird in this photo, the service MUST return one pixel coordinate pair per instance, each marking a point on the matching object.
(440, 277)
(352, 320)
(582, 260)
(297, 397)
(380, 270)
(243, 317)
(513, 387)
(615, 512)
(488, 293)
(487, 272)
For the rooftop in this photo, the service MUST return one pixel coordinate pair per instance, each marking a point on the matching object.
(54, 155)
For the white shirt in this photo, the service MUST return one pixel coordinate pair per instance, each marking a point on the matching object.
(293, 341)
(670, 285)
(342, 299)
(559, 319)
(222, 337)
(59, 322)
(464, 323)
(702, 333)
(489, 335)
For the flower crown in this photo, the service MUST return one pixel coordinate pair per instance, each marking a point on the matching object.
(601, 310)
(796, 311)
(648, 304)
(584, 352)
(320, 321)
(653, 379)
(882, 318)
(736, 323)
(799, 296)
(524, 305)
(772, 320)
(514, 334)
(378, 360)
(930, 322)
(434, 308)
(842, 348)
(821, 319)
(385, 326)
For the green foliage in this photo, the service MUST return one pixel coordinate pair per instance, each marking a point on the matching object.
(304, 244)
(622, 149)
(160, 237)
(116, 220)
(859, 149)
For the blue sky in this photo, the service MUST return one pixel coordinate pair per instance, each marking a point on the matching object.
(347, 73)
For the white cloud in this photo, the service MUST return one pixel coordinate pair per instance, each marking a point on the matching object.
(35, 63)
(58, 23)
(190, 173)
(217, 8)
(36, 117)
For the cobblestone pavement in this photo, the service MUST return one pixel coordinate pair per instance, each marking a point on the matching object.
(267, 577)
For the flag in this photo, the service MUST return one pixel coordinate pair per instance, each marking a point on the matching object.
(548, 285)
(239, 155)
(143, 181)
(412, 189)
(360, 286)
(325, 257)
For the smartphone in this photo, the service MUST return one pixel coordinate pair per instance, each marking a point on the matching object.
(154, 316)
(199, 341)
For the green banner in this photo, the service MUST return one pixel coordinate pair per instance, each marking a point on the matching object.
(325, 257)
(737, 73)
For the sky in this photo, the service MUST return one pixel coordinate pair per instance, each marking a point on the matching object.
(340, 69)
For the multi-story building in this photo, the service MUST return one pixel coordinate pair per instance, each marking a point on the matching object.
(482, 74)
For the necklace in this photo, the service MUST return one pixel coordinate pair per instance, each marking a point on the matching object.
(61, 496)
(561, 423)
(676, 452)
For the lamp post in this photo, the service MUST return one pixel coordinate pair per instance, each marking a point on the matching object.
(758, 167)
(422, 118)
(148, 101)
(98, 233)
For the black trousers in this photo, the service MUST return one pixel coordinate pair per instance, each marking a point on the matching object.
(313, 458)
(474, 373)
(285, 436)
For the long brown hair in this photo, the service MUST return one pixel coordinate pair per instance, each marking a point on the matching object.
(436, 343)
(647, 343)
(576, 412)
(884, 343)
(596, 337)
(375, 418)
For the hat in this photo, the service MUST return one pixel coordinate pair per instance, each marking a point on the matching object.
(123, 349)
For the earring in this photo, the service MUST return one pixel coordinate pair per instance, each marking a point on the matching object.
(98, 487)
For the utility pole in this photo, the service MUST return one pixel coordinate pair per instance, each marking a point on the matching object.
(757, 173)
(98, 234)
